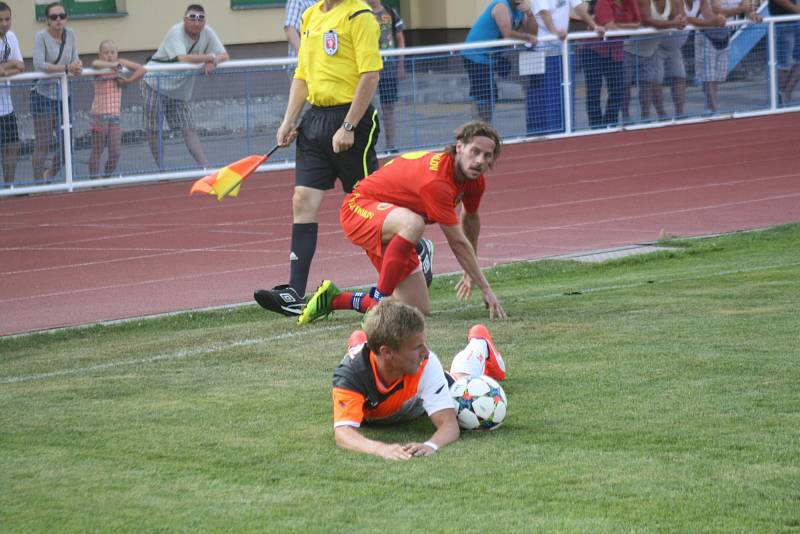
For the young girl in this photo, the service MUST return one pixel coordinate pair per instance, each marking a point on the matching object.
(106, 129)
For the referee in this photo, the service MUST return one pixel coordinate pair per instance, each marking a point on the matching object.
(338, 68)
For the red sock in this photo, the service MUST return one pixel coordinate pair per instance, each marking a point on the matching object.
(356, 300)
(395, 267)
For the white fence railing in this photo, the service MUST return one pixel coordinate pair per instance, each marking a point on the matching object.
(235, 110)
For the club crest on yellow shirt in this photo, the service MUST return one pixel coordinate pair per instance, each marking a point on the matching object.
(331, 42)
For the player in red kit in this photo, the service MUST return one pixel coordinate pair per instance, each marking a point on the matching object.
(387, 212)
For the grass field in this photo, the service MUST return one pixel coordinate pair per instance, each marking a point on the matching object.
(657, 393)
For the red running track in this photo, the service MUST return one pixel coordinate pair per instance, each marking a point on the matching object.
(108, 254)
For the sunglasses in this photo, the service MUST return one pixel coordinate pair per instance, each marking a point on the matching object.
(57, 16)
(196, 16)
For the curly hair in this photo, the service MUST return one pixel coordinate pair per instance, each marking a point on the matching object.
(473, 129)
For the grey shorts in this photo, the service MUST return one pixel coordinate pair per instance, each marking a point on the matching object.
(643, 69)
(671, 64)
(158, 105)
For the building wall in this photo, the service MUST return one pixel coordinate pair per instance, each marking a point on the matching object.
(258, 30)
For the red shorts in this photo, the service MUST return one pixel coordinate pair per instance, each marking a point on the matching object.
(362, 221)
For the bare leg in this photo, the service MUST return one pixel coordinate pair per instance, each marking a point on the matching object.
(658, 100)
(154, 141)
(645, 98)
(711, 95)
(98, 145)
(114, 149)
(678, 95)
(43, 132)
(791, 82)
(626, 103)
(485, 113)
(10, 153)
(192, 141)
(389, 124)
(414, 292)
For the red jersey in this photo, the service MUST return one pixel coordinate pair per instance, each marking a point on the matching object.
(423, 182)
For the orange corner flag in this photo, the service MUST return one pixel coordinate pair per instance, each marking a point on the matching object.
(228, 180)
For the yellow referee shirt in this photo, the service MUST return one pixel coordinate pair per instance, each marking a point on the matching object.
(335, 49)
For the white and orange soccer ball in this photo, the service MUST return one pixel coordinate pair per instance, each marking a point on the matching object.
(480, 403)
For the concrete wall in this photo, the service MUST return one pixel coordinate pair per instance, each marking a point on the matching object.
(146, 22)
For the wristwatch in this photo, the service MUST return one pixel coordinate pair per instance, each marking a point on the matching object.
(348, 126)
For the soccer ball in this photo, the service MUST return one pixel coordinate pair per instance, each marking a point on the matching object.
(480, 403)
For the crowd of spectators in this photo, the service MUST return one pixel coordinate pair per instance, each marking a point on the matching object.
(645, 63)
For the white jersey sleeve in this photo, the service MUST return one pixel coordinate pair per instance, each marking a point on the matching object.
(433, 387)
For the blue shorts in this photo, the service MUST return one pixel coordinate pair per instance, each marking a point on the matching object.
(41, 106)
(787, 44)
(482, 87)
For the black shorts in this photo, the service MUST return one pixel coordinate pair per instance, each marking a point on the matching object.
(8, 129)
(482, 87)
(317, 166)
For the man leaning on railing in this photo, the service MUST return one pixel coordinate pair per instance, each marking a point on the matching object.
(168, 95)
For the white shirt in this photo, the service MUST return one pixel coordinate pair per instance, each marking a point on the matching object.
(559, 11)
(14, 54)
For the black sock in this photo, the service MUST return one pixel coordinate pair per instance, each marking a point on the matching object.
(304, 243)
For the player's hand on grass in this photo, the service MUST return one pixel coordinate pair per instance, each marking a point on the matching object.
(464, 287)
(394, 451)
(492, 304)
(419, 449)
(286, 135)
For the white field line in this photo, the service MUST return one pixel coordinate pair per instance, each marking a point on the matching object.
(219, 347)
(169, 356)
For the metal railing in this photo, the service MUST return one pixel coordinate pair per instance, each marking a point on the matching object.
(236, 109)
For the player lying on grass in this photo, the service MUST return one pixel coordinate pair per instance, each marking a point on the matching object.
(389, 376)
(387, 212)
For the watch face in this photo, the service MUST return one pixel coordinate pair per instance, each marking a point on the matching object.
(348, 126)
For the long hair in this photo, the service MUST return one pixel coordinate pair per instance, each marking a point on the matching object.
(473, 129)
(50, 6)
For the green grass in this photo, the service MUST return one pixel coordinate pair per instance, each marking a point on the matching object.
(657, 393)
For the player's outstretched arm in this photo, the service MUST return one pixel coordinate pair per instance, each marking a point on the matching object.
(465, 254)
(351, 439)
(447, 431)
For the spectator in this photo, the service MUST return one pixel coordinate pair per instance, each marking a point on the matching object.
(291, 23)
(105, 112)
(387, 212)
(545, 104)
(394, 69)
(711, 49)
(392, 356)
(506, 19)
(671, 57)
(604, 60)
(337, 72)
(10, 64)
(643, 63)
(55, 50)
(167, 95)
(787, 48)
